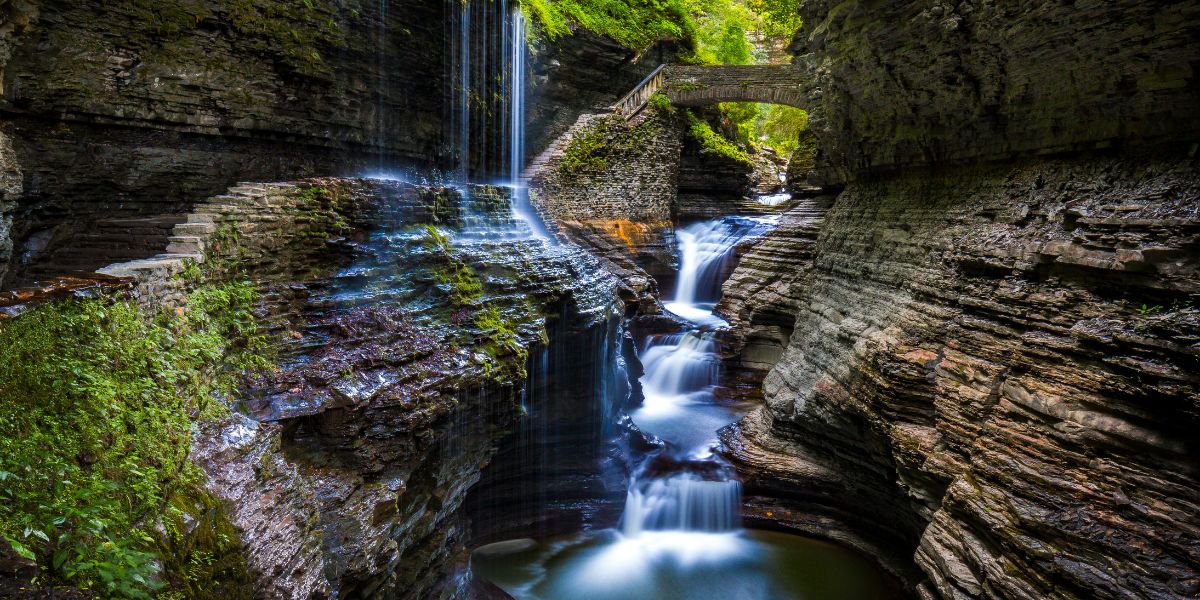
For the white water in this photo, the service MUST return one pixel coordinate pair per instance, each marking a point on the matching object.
(773, 199)
(679, 407)
(521, 208)
(683, 502)
(704, 248)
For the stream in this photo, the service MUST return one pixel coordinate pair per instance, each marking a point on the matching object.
(680, 535)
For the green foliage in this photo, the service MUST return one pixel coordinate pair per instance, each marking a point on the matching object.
(587, 151)
(634, 24)
(742, 120)
(464, 286)
(782, 127)
(713, 143)
(779, 18)
(97, 403)
(661, 103)
(590, 150)
(721, 37)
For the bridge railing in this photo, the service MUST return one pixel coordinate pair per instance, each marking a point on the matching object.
(633, 102)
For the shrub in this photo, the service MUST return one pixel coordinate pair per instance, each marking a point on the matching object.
(97, 404)
(713, 143)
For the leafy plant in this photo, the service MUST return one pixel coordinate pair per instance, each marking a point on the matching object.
(98, 403)
(713, 143)
(662, 103)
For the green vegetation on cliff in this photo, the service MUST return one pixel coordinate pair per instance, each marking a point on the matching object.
(633, 23)
(100, 401)
(714, 143)
(711, 31)
(591, 150)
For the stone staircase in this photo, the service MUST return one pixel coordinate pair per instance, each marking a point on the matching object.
(555, 150)
(106, 242)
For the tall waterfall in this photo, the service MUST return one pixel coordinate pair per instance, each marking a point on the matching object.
(686, 488)
(516, 101)
(522, 209)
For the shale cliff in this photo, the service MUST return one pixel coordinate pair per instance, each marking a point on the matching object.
(992, 372)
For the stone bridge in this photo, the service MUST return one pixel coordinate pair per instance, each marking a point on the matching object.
(688, 85)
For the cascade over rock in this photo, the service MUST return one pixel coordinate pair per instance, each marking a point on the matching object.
(960, 341)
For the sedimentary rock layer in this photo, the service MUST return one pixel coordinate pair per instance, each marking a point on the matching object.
(996, 368)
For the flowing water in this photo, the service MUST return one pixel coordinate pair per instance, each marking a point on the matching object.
(680, 536)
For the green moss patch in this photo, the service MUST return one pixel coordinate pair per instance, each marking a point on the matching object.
(715, 144)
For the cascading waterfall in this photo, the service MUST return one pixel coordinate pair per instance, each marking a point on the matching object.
(679, 408)
(704, 250)
(680, 536)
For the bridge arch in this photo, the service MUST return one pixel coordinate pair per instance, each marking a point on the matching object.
(703, 86)
(689, 85)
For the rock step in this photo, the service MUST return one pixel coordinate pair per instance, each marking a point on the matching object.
(185, 244)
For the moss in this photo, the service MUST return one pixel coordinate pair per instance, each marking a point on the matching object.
(592, 150)
(713, 143)
(201, 550)
(662, 103)
(500, 340)
(634, 24)
(463, 286)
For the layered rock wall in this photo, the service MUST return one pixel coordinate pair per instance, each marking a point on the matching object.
(991, 379)
(902, 84)
(1009, 352)
(115, 110)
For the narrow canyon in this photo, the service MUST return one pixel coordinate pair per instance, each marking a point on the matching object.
(599, 299)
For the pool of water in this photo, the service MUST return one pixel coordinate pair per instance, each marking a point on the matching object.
(679, 565)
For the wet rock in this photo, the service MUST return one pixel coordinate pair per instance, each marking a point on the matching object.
(960, 387)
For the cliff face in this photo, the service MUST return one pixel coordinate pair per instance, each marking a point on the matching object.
(991, 379)
(902, 84)
(133, 108)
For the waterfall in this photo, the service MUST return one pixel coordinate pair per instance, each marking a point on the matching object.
(464, 89)
(704, 250)
(703, 247)
(683, 502)
(516, 102)
(521, 207)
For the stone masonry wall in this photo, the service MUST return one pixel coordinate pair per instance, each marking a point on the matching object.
(281, 229)
(611, 186)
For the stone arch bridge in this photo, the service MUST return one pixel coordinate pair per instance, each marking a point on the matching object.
(688, 85)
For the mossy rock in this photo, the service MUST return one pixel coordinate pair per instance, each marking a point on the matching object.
(201, 550)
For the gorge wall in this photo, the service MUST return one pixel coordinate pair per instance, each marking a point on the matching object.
(116, 117)
(991, 379)
(124, 109)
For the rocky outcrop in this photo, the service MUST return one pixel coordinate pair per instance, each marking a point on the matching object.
(347, 471)
(996, 367)
(762, 296)
(119, 110)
